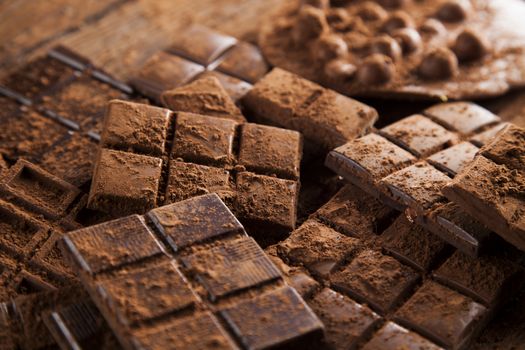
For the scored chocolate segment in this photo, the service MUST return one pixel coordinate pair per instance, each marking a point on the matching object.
(258, 322)
(393, 336)
(236, 88)
(443, 315)
(452, 160)
(244, 61)
(507, 148)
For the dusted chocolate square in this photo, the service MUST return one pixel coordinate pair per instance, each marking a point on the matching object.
(271, 151)
(508, 148)
(442, 315)
(201, 44)
(244, 61)
(236, 88)
(347, 322)
(108, 245)
(419, 135)
(137, 194)
(454, 159)
(164, 71)
(464, 117)
(186, 180)
(148, 293)
(318, 247)
(194, 220)
(393, 336)
(488, 135)
(135, 127)
(231, 267)
(203, 139)
(376, 279)
(258, 322)
(204, 96)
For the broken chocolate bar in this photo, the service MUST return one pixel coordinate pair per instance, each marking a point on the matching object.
(401, 49)
(491, 188)
(407, 164)
(211, 275)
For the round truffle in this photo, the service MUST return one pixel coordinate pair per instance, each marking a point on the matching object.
(371, 11)
(339, 69)
(397, 20)
(469, 46)
(310, 24)
(440, 63)
(432, 27)
(387, 46)
(376, 69)
(453, 11)
(409, 40)
(328, 47)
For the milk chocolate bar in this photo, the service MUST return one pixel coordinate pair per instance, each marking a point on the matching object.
(407, 163)
(491, 188)
(211, 285)
(150, 156)
(198, 52)
(401, 49)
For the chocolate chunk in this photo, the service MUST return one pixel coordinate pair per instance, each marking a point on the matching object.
(201, 44)
(452, 160)
(236, 88)
(375, 69)
(203, 96)
(473, 117)
(138, 193)
(442, 315)
(347, 322)
(50, 259)
(507, 148)
(376, 279)
(318, 248)
(395, 337)
(488, 135)
(258, 322)
(245, 62)
(469, 46)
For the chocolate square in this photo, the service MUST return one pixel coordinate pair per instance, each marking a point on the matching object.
(144, 294)
(347, 322)
(201, 44)
(318, 247)
(442, 315)
(112, 244)
(164, 71)
(194, 220)
(135, 127)
(418, 186)
(236, 88)
(454, 159)
(508, 148)
(202, 139)
(488, 135)
(244, 61)
(137, 194)
(375, 279)
(187, 180)
(393, 336)
(271, 151)
(258, 322)
(200, 331)
(464, 117)
(268, 201)
(50, 259)
(419, 135)
(231, 267)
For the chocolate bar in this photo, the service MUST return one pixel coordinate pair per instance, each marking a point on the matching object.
(400, 49)
(396, 269)
(198, 52)
(324, 117)
(211, 285)
(491, 187)
(151, 156)
(406, 164)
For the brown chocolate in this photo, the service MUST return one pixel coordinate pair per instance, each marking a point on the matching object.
(395, 337)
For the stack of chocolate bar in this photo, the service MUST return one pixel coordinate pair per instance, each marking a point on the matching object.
(218, 203)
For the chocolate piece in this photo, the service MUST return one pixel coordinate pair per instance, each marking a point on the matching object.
(329, 47)
(375, 279)
(245, 62)
(49, 259)
(442, 315)
(318, 248)
(236, 88)
(447, 46)
(507, 148)
(203, 96)
(347, 322)
(201, 44)
(258, 322)
(395, 337)
(488, 135)
(452, 160)
(473, 117)
(322, 116)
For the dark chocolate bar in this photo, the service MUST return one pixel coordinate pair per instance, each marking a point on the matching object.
(401, 49)
(213, 285)
(151, 156)
(491, 188)
(406, 164)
